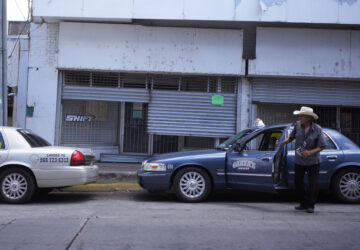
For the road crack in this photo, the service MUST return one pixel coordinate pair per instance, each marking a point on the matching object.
(6, 224)
(78, 232)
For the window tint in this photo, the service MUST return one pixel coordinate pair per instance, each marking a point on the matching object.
(329, 143)
(2, 142)
(34, 141)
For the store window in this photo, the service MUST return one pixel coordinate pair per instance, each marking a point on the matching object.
(89, 123)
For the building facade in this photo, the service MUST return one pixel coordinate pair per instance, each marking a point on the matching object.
(141, 77)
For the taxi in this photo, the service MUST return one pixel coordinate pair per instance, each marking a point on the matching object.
(29, 164)
(247, 161)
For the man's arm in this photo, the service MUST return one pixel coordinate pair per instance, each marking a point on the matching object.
(320, 146)
(287, 140)
(314, 151)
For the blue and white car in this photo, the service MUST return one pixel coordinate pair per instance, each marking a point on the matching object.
(246, 162)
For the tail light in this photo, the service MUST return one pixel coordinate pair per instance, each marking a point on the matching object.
(77, 159)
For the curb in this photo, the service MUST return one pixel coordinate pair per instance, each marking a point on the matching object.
(103, 187)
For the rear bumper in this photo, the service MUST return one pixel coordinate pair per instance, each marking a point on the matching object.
(65, 176)
(154, 181)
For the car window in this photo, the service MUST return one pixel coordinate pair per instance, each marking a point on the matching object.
(34, 140)
(266, 141)
(329, 143)
(2, 141)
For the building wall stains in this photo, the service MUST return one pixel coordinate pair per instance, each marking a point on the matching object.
(237, 2)
(349, 2)
(265, 4)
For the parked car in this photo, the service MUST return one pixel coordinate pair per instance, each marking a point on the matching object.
(246, 162)
(29, 164)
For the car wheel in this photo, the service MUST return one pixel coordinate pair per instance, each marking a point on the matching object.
(346, 185)
(192, 184)
(16, 186)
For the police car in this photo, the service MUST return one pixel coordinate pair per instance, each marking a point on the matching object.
(246, 162)
(28, 164)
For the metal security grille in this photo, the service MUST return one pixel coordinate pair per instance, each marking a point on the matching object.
(311, 92)
(273, 114)
(154, 81)
(89, 123)
(165, 144)
(350, 123)
(135, 134)
(191, 114)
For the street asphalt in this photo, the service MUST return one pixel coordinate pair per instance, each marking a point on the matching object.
(134, 219)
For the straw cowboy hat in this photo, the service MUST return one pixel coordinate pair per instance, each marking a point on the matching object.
(306, 111)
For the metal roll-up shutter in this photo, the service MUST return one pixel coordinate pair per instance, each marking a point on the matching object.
(105, 94)
(191, 114)
(312, 92)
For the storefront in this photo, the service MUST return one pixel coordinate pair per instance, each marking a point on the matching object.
(336, 102)
(145, 114)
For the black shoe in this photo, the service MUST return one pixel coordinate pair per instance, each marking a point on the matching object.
(310, 210)
(300, 207)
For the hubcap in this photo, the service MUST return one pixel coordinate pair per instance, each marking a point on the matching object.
(350, 185)
(192, 184)
(14, 186)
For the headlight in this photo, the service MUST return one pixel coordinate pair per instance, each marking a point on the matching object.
(154, 166)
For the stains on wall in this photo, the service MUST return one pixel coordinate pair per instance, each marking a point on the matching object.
(349, 2)
(237, 2)
(265, 4)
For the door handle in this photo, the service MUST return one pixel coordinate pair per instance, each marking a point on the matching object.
(266, 159)
(331, 157)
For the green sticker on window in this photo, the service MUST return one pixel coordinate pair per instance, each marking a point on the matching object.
(217, 100)
(137, 114)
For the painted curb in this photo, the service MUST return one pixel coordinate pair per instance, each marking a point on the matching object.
(103, 187)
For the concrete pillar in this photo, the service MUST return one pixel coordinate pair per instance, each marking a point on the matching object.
(244, 108)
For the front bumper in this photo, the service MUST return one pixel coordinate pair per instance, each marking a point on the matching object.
(66, 176)
(154, 181)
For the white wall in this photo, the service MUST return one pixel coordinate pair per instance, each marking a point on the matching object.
(150, 49)
(306, 53)
(304, 11)
(43, 79)
(12, 62)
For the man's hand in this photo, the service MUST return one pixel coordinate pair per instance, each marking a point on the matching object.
(286, 141)
(306, 153)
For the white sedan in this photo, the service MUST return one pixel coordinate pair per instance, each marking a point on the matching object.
(29, 163)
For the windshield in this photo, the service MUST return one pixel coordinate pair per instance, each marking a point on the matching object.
(34, 140)
(233, 139)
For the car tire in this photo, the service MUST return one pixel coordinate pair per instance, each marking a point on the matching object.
(192, 184)
(16, 186)
(346, 185)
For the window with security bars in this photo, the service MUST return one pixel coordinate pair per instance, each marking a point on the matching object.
(105, 79)
(188, 83)
(77, 78)
(165, 144)
(89, 123)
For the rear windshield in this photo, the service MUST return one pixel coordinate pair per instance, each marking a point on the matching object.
(34, 140)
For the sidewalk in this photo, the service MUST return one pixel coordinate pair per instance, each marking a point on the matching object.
(112, 177)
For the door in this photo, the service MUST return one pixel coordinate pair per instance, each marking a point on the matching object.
(135, 128)
(251, 169)
(3, 148)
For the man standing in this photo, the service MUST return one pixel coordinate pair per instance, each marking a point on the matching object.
(309, 142)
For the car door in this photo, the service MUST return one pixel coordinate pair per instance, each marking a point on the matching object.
(251, 168)
(3, 147)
